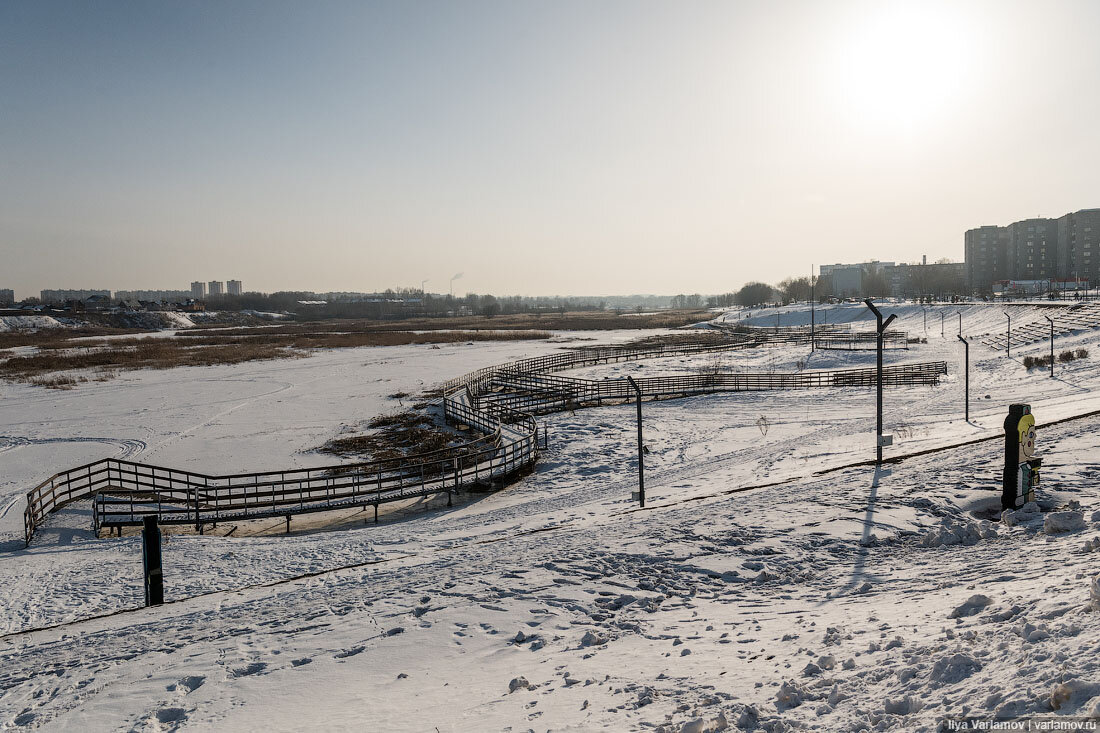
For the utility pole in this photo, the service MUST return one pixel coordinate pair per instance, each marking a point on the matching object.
(967, 372)
(1051, 345)
(1008, 335)
(641, 449)
(881, 327)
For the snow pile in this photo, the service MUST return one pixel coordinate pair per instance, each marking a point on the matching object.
(28, 323)
(952, 532)
(1059, 522)
(1027, 513)
(973, 605)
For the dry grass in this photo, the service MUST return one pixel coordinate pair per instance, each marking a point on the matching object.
(46, 338)
(62, 355)
(141, 354)
(580, 321)
(395, 436)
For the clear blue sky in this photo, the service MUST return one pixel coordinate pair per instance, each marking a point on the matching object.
(538, 147)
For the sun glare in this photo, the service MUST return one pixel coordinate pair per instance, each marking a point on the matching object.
(902, 67)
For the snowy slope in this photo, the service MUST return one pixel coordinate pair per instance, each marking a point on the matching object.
(814, 601)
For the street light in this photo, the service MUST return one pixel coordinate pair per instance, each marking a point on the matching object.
(641, 470)
(881, 327)
(1051, 345)
(812, 344)
(1008, 335)
(967, 370)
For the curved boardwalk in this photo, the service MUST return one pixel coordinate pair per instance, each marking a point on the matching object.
(497, 402)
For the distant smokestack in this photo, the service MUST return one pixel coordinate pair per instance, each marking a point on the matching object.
(924, 259)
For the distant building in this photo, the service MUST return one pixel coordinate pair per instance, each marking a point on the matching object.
(61, 296)
(1079, 244)
(198, 290)
(215, 288)
(7, 297)
(1051, 251)
(157, 295)
(97, 302)
(233, 287)
(986, 255)
(850, 281)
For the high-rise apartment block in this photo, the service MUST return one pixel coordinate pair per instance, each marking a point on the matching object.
(7, 297)
(198, 290)
(58, 297)
(233, 287)
(215, 288)
(1064, 249)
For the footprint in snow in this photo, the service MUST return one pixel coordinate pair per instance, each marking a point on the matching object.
(188, 684)
(251, 669)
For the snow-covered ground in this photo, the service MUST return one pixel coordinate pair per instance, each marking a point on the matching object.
(765, 584)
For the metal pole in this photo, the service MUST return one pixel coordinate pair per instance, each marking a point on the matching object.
(812, 309)
(881, 328)
(151, 561)
(941, 324)
(960, 323)
(641, 464)
(1051, 345)
(1008, 335)
(967, 372)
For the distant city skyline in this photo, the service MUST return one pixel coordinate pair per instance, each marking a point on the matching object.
(555, 148)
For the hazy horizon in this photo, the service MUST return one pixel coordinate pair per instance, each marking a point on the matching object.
(615, 148)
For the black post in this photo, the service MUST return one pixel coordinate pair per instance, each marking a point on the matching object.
(1008, 335)
(960, 323)
(1051, 345)
(812, 344)
(881, 328)
(151, 561)
(941, 324)
(641, 467)
(967, 372)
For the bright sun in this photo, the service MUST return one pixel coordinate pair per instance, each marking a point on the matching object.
(903, 66)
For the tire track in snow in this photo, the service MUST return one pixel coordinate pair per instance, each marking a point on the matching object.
(126, 446)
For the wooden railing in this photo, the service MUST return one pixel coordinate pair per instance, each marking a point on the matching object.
(540, 393)
(497, 401)
(124, 491)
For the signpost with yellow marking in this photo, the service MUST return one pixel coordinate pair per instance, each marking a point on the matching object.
(1021, 470)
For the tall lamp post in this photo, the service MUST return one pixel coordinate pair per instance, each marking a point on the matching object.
(1008, 335)
(967, 371)
(641, 469)
(812, 344)
(1051, 321)
(881, 327)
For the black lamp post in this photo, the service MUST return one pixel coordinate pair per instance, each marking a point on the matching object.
(641, 467)
(967, 372)
(1051, 345)
(881, 327)
(1008, 334)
